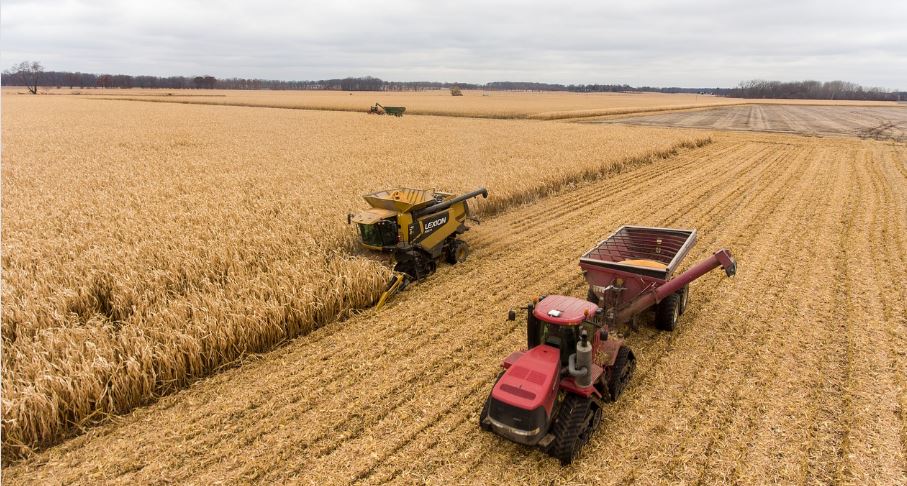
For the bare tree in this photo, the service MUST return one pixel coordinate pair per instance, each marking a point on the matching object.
(31, 72)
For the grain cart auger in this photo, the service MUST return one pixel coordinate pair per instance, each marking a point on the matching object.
(420, 227)
(551, 395)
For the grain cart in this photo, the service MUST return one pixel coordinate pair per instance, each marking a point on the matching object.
(378, 109)
(551, 395)
(420, 227)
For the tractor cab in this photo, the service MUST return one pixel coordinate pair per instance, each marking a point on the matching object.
(558, 321)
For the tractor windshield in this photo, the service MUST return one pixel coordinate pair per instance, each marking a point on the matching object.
(561, 337)
(382, 233)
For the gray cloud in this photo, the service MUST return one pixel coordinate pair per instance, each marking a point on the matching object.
(660, 42)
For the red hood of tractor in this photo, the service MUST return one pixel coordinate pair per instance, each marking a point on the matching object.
(529, 383)
(560, 309)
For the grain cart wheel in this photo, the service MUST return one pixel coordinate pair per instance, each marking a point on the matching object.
(684, 299)
(621, 372)
(667, 311)
(457, 252)
(591, 297)
(572, 428)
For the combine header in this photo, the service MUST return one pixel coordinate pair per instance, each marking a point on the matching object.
(420, 227)
(551, 395)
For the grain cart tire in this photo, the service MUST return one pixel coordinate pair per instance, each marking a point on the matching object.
(621, 372)
(457, 252)
(571, 429)
(591, 297)
(667, 311)
(684, 299)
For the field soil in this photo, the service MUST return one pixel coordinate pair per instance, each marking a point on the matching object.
(878, 122)
(792, 372)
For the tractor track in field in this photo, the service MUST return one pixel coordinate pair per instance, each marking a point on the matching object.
(752, 387)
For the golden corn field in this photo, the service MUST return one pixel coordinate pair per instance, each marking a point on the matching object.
(480, 104)
(163, 242)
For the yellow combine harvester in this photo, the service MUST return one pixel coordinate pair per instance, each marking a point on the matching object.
(419, 226)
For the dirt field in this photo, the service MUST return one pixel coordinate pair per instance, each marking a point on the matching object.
(793, 372)
(886, 123)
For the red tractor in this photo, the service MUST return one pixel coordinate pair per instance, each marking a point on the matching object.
(551, 395)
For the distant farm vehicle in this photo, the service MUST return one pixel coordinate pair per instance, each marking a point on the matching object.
(420, 227)
(551, 395)
(379, 109)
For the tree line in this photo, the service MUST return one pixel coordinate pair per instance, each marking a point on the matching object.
(32, 76)
(811, 90)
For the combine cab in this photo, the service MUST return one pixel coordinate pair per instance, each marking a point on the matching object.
(551, 394)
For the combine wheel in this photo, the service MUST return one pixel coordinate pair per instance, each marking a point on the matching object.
(408, 267)
(457, 252)
(684, 298)
(667, 311)
(621, 372)
(573, 427)
(416, 264)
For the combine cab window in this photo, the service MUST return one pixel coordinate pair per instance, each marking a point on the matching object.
(382, 233)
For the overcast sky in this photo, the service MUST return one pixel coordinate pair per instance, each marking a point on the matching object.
(658, 43)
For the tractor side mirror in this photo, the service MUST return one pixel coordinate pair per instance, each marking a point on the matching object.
(511, 315)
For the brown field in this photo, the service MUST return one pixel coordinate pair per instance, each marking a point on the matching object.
(164, 241)
(158, 243)
(879, 122)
